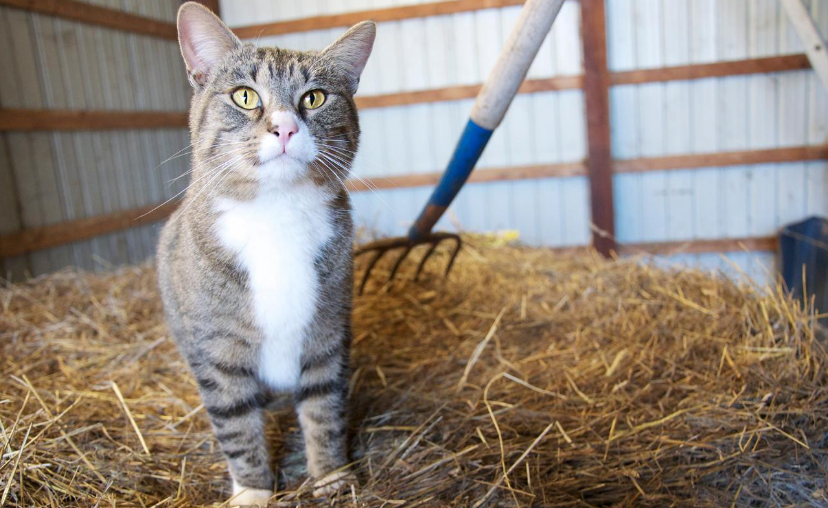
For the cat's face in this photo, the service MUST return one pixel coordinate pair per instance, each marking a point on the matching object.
(269, 117)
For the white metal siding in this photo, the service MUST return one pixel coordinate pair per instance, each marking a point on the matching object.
(60, 176)
(709, 115)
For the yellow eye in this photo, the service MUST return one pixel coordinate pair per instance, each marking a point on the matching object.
(246, 98)
(313, 99)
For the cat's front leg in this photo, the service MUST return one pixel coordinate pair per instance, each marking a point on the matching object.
(321, 404)
(234, 399)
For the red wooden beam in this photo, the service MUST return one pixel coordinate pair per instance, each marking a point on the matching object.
(34, 239)
(88, 120)
(596, 97)
(85, 12)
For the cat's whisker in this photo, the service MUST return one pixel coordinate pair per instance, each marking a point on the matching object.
(347, 163)
(213, 170)
(217, 185)
(331, 172)
(182, 175)
(177, 194)
(175, 155)
(352, 156)
(218, 171)
(370, 186)
(224, 154)
(211, 159)
(215, 157)
(183, 152)
(340, 175)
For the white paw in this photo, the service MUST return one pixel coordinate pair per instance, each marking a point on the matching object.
(244, 496)
(333, 483)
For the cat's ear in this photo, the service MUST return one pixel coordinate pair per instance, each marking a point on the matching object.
(204, 40)
(351, 51)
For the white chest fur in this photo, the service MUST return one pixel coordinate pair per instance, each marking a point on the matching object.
(277, 237)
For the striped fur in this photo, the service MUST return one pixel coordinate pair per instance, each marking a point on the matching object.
(255, 269)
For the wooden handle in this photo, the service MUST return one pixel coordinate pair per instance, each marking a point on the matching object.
(527, 35)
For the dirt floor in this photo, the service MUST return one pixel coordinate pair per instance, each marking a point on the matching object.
(528, 378)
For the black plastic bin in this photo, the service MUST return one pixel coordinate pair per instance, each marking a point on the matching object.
(804, 246)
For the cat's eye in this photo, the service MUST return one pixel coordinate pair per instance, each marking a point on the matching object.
(246, 98)
(313, 99)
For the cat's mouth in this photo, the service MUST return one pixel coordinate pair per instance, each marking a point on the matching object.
(284, 157)
(273, 158)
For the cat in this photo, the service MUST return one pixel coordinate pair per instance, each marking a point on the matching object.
(255, 268)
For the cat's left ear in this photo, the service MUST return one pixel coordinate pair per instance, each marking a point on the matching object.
(351, 51)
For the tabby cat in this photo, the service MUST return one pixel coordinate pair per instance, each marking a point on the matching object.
(255, 268)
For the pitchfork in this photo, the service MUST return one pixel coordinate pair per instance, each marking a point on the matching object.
(492, 101)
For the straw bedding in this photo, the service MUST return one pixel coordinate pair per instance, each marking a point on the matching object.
(529, 378)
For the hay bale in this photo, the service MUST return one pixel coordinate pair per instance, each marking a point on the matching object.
(527, 378)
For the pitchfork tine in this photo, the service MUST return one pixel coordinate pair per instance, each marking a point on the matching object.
(370, 267)
(453, 254)
(428, 254)
(398, 263)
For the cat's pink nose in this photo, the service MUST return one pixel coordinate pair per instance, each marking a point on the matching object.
(283, 125)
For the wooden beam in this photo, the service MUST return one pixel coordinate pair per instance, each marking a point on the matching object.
(90, 14)
(596, 98)
(456, 93)
(34, 239)
(789, 154)
(24, 119)
(561, 170)
(31, 240)
(49, 236)
(69, 120)
(812, 40)
(752, 244)
(712, 70)
(387, 14)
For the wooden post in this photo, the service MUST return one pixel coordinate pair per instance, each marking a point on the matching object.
(599, 153)
(809, 34)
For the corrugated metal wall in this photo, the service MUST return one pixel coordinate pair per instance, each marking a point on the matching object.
(709, 115)
(51, 177)
(719, 114)
(48, 178)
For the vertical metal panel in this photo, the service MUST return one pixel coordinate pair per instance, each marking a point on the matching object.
(63, 176)
(732, 113)
(32, 153)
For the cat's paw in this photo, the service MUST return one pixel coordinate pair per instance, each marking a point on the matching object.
(245, 496)
(333, 483)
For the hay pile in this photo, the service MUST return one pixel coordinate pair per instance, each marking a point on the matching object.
(530, 378)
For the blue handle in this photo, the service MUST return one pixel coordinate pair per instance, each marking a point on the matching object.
(466, 154)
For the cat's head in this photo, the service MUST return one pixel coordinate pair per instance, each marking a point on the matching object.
(270, 116)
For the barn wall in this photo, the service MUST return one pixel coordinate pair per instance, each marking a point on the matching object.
(48, 177)
(721, 114)
(53, 63)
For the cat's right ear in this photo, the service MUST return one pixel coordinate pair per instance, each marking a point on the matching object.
(204, 40)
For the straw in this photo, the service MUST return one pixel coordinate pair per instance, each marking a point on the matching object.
(528, 378)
